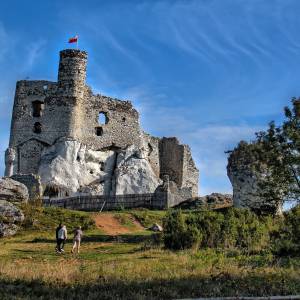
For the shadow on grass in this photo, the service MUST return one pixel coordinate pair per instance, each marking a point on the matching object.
(220, 285)
(102, 238)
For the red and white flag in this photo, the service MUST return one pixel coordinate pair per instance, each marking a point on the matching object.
(73, 39)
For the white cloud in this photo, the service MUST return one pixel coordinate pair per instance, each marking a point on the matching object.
(33, 51)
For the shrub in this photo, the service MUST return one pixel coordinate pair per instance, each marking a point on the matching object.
(234, 228)
(178, 234)
(286, 239)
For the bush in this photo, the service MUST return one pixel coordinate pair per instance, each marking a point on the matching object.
(286, 240)
(234, 228)
(178, 234)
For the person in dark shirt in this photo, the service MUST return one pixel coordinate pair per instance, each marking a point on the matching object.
(57, 248)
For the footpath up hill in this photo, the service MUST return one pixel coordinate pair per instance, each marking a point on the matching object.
(120, 259)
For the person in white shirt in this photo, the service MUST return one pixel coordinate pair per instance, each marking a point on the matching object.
(62, 236)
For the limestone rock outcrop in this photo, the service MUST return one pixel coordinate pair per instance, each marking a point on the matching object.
(10, 217)
(12, 191)
(133, 173)
(73, 169)
(247, 179)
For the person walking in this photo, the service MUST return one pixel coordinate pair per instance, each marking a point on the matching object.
(62, 237)
(56, 234)
(77, 239)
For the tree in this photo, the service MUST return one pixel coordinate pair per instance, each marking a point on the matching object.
(279, 149)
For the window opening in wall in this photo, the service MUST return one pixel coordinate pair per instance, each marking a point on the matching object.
(123, 119)
(37, 128)
(102, 118)
(102, 168)
(37, 108)
(99, 131)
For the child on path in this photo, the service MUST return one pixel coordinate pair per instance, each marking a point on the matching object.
(77, 239)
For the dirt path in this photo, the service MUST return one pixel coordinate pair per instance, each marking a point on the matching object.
(112, 226)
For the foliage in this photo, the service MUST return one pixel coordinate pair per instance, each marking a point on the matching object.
(238, 228)
(45, 218)
(276, 155)
(148, 217)
(280, 148)
(119, 267)
(179, 234)
(287, 237)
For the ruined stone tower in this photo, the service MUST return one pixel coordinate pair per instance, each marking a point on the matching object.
(83, 143)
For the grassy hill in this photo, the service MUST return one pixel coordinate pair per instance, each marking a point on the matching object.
(120, 259)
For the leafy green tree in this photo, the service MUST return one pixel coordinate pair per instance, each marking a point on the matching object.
(279, 149)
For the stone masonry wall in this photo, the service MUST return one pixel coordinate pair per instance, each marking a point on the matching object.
(120, 128)
(171, 159)
(33, 184)
(96, 203)
(177, 162)
(46, 115)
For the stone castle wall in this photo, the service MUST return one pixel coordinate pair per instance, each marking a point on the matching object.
(33, 184)
(177, 162)
(161, 200)
(56, 133)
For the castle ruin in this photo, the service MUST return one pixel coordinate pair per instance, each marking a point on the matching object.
(79, 143)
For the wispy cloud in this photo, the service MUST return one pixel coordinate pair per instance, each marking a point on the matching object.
(33, 51)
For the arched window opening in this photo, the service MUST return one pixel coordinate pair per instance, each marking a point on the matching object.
(99, 131)
(102, 118)
(37, 128)
(37, 108)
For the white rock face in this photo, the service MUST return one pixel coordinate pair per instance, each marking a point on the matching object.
(78, 170)
(248, 182)
(73, 167)
(13, 191)
(133, 174)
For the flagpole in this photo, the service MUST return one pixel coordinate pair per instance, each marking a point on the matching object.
(77, 42)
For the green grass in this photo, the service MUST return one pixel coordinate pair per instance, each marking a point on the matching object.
(125, 267)
(148, 217)
(41, 218)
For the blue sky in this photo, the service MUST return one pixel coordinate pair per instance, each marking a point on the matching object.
(211, 72)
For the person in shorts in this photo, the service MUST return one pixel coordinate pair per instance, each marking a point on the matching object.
(77, 239)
